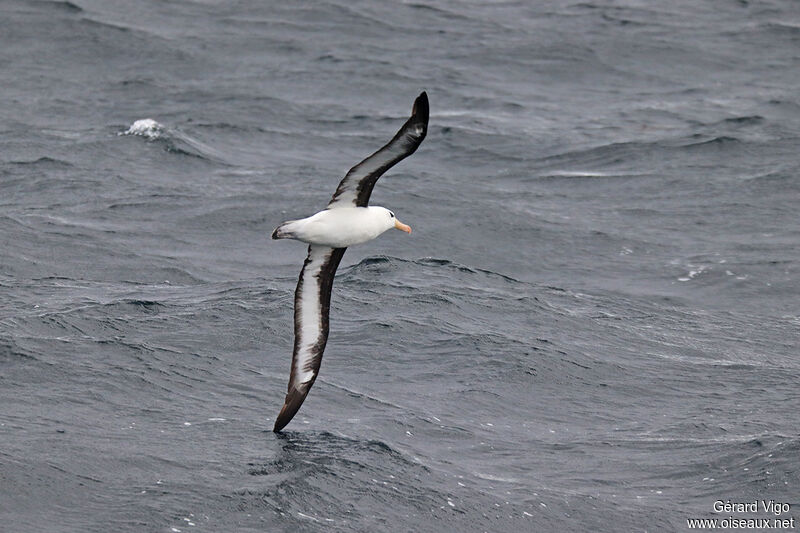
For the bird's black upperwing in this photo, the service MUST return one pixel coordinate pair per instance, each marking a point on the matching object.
(356, 187)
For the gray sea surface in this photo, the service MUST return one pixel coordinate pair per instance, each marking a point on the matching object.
(593, 327)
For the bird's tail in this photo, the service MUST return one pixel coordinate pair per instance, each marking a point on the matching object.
(284, 231)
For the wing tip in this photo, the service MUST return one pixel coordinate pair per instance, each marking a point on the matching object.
(420, 108)
(284, 417)
(294, 399)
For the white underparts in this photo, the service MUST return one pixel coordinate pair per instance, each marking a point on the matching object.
(341, 227)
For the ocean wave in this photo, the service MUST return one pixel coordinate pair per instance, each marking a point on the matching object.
(173, 140)
(627, 159)
(45, 161)
(748, 120)
(11, 352)
(703, 141)
(384, 263)
(62, 5)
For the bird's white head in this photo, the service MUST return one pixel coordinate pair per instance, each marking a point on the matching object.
(388, 220)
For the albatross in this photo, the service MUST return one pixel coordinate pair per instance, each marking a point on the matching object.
(348, 220)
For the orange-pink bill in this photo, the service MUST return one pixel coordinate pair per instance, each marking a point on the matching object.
(399, 225)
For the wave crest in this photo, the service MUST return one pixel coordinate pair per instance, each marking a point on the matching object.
(146, 127)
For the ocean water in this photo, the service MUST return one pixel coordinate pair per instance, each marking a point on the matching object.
(594, 326)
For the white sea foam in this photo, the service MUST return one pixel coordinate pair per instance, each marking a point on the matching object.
(146, 127)
(694, 273)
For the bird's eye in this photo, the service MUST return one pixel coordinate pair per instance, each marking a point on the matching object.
(391, 214)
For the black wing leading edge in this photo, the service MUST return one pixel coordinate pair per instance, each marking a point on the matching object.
(356, 187)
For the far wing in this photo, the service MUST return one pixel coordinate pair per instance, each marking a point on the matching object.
(312, 300)
(356, 187)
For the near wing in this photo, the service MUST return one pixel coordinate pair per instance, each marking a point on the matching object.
(312, 300)
(356, 187)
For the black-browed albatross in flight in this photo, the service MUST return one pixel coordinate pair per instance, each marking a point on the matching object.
(346, 221)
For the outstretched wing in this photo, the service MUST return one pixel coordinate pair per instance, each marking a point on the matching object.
(356, 187)
(312, 300)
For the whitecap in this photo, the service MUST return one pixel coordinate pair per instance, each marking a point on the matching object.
(146, 127)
